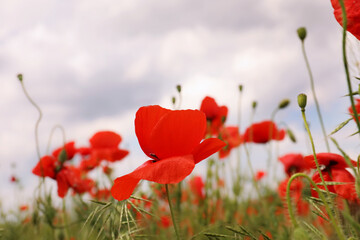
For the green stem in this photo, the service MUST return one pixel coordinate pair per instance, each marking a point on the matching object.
(322, 197)
(314, 95)
(52, 133)
(172, 212)
(346, 65)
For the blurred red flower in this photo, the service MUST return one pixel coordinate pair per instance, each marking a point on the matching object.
(231, 136)
(259, 175)
(352, 8)
(197, 187)
(69, 149)
(173, 141)
(215, 115)
(357, 107)
(263, 132)
(293, 163)
(334, 171)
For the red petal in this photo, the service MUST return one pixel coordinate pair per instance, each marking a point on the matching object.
(333, 160)
(165, 171)
(123, 187)
(177, 133)
(316, 178)
(353, 15)
(206, 148)
(69, 148)
(210, 108)
(105, 139)
(145, 121)
(62, 183)
(45, 167)
(347, 191)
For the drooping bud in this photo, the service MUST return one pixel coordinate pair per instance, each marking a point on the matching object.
(254, 104)
(302, 98)
(284, 103)
(291, 135)
(178, 88)
(240, 87)
(301, 33)
(20, 77)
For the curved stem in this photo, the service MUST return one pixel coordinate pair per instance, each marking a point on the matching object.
(172, 212)
(38, 120)
(52, 133)
(346, 65)
(314, 95)
(322, 197)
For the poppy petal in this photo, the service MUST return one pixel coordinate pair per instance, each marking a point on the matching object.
(45, 167)
(347, 191)
(165, 171)
(146, 119)
(333, 160)
(177, 133)
(105, 139)
(123, 187)
(206, 148)
(62, 184)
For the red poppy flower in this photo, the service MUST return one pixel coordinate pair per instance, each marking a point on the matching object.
(352, 8)
(197, 186)
(329, 160)
(215, 114)
(230, 135)
(296, 188)
(172, 139)
(45, 167)
(357, 107)
(263, 132)
(259, 175)
(69, 149)
(293, 163)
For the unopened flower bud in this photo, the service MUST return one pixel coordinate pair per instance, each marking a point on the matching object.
(62, 156)
(302, 100)
(178, 88)
(291, 135)
(240, 87)
(254, 104)
(301, 33)
(284, 103)
(173, 100)
(20, 77)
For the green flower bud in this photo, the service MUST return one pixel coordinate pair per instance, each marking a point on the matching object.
(173, 100)
(284, 103)
(240, 88)
(254, 104)
(178, 88)
(302, 100)
(20, 77)
(291, 135)
(301, 33)
(62, 156)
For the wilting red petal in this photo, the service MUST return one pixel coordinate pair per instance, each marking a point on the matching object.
(346, 191)
(123, 187)
(206, 148)
(146, 119)
(352, 8)
(105, 139)
(177, 133)
(332, 160)
(45, 167)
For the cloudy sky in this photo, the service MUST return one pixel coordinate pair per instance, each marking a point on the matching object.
(91, 64)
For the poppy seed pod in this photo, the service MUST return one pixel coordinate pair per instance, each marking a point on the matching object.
(302, 98)
(284, 103)
(20, 77)
(301, 33)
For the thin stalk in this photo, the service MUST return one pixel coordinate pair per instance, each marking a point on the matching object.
(314, 96)
(346, 65)
(61, 128)
(172, 212)
(322, 197)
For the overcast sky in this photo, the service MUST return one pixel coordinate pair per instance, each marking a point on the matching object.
(91, 64)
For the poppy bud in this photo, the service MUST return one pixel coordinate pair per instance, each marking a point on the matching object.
(240, 88)
(178, 88)
(173, 100)
(284, 103)
(62, 156)
(20, 77)
(301, 33)
(254, 104)
(302, 100)
(291, 135)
